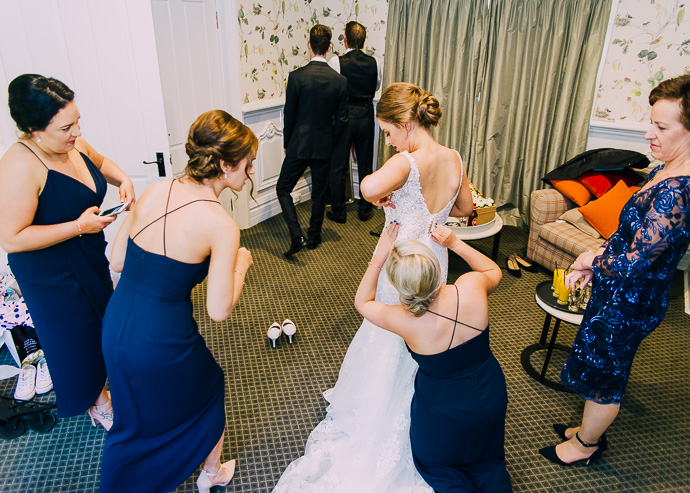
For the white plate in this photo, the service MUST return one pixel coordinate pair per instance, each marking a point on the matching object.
(469, 229)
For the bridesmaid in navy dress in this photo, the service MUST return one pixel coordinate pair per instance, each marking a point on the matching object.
(168, 391)
(52, 183)
(631, 275)
(458, 410)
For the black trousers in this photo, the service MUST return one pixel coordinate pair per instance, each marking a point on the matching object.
(292, 170)
(360, 134)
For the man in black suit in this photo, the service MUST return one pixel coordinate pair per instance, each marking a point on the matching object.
(315, 111)
(363, 79)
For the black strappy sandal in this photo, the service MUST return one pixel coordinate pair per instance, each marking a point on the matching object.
(16, 415)
(550, 453)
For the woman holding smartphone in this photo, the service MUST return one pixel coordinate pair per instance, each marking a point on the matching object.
(52, 183)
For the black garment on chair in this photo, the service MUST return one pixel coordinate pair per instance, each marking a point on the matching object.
(606, 159)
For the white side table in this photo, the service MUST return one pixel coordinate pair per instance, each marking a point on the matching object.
(468, 233)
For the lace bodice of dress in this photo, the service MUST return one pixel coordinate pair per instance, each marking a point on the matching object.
(416, 222)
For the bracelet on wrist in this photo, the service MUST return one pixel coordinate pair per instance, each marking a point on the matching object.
(374, 265)
(78, 226)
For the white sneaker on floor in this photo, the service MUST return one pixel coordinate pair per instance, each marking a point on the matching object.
(26, 384)
(43, 381)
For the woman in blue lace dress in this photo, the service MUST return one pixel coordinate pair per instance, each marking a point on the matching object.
(631, 275)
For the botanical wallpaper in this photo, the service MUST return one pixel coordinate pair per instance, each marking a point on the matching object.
(275, 34)
(650, 42)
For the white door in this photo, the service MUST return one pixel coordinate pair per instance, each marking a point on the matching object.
(189, 60)
(198, 56)
(106, 53)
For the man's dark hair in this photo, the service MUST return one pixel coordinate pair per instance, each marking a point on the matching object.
(355, 34)
(320, 39)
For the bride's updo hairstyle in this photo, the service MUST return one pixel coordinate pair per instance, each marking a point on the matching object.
(403, 103)
(415, 272)
(216, 135)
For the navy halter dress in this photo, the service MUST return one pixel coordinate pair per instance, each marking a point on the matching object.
(167, 389)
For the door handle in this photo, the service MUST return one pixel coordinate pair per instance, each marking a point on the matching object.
(160, 162)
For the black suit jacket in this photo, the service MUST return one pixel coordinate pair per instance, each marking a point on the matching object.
(315, 110)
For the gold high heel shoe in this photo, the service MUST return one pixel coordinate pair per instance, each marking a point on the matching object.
(205, 481)
(102, 414)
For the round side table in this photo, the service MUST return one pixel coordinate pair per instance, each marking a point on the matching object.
(468, 233)
(547, 302)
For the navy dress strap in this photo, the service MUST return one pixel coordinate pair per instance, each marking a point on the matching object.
(164, 217)
(455, 320)
(34, 153)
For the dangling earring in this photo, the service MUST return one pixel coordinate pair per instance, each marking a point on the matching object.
(38, 139)
(226, 175)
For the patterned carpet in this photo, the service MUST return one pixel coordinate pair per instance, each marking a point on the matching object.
(274, 397)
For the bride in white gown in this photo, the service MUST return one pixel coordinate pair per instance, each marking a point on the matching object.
(363, 443)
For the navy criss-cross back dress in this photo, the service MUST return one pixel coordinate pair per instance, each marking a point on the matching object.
(167, 389)
(66, 288)
(458, 416)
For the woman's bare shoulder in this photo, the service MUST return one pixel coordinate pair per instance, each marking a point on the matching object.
(398, 161)
(21, 164)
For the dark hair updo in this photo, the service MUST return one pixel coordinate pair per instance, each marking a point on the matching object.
(216, 135)
(676, 89)
(34, 100)
(403, 103)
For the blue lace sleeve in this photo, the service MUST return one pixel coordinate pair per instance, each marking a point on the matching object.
(649, 227)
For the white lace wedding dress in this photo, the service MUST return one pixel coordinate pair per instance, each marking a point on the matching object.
(363, 443)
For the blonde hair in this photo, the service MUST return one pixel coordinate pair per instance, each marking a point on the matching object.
(415, 272)
(402, 103)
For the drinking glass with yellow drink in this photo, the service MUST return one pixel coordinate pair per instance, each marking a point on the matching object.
(558, 280)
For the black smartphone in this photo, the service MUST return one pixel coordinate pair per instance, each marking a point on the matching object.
(113, 210)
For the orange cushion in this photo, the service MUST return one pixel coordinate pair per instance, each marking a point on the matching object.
(600, 182)
(603, 213)
(573, 189)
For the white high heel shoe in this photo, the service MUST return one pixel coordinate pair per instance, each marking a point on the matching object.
(274, 332)
(205, 481)
(289, 329)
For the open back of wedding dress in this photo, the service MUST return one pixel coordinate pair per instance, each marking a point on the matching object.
(363, 443)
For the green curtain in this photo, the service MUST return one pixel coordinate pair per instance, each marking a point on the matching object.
(536, 101)
(516, 81)
(438, 45)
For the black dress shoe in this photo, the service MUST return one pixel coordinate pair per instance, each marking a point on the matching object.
(296, 245)
(364, 215)
(330, 215)
(313, 242)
